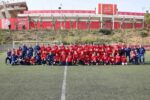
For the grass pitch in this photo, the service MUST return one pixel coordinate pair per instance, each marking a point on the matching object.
(130, 82)
(30, 82)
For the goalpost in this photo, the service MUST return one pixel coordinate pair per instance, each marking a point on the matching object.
(16, 44)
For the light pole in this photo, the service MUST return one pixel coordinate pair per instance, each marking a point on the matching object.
(113, 17)
(61, 16)
(101, 15)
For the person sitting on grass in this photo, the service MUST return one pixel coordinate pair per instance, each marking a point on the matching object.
(20, 58)
(32, 61)
(56, 59)
(38, 59)
(8, 57)
(50, 59)
(124, 60)
(13, 58)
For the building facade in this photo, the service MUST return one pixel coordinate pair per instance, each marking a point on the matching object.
(105, 16)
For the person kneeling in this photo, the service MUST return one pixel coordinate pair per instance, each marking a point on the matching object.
(118, 59)
(69, 60)
(124, 60)
(63, 59)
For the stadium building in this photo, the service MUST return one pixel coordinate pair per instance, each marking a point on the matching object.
(16, 16)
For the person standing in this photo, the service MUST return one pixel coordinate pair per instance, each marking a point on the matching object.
(142, 54)
(128, 50)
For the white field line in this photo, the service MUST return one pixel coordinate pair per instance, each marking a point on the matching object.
(63, 92)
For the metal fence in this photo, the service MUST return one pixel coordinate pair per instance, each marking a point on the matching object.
(5, 47)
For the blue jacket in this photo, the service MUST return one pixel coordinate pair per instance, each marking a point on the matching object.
(9, 54)
(50, 57)
(127, 50)
(142, 51)
(13, 58)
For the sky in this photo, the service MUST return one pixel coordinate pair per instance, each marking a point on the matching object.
(123, 5)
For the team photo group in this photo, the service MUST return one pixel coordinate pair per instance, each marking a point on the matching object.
(76, 55)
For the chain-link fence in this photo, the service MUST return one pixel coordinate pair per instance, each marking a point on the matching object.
(5, 47)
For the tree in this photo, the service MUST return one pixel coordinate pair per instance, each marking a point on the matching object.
(53, 23)
(147, 20)
(133, 22)
(71, 24)
(88, 23)
(122, 23)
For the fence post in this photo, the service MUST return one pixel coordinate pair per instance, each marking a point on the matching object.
(13, 44)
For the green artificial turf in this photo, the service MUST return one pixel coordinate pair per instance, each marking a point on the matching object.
(131, 82)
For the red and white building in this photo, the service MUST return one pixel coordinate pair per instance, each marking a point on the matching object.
(106, 16)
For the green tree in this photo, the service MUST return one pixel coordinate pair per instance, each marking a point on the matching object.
(147, 20)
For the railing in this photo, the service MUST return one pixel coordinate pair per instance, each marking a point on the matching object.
(5, 47)
(10, 1)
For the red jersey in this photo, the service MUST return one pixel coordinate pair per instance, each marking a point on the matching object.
(32, 60)
(112, 60)
(123, 59)
(43, 56)
(133, 54)
(56, 58)
(48, 49)
(94, 58)
(19, 51)
(87, 58)
(75, 57)
(109, 50)
(42, 48)
(118, 58)
(99, 57)
(63, 58)
(105, 58)
(82, 56)
(62, 47)
(69, 58)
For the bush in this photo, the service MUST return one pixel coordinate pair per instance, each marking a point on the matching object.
(143, 34)
(105, 31)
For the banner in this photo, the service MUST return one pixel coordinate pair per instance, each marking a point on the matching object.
(108, 9)
(15, 23)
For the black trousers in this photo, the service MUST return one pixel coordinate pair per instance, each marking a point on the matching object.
(8, 60)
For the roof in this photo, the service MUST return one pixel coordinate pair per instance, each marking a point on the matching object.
(131, 13)
(77, 12)
(60, 11)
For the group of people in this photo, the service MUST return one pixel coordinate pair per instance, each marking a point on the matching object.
(87, 54)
